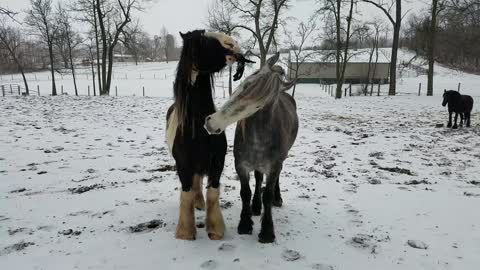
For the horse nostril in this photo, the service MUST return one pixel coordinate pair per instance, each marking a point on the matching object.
(208, 118)
(218, 130)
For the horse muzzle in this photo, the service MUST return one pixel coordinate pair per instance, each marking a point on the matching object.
(209, 128)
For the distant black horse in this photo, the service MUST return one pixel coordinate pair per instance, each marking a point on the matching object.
(196, 153)
(458, 104)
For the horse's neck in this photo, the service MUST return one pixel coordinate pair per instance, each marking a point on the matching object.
(200, 102)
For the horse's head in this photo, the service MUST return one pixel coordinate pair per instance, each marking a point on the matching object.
(449, 96)
(207, 52)
(258, 90)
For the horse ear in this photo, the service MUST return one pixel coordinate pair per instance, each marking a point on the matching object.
(182, 35)
(444, 91)
(272, 60)
(285, 86)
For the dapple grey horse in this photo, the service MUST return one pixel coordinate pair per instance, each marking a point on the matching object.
(267, 125)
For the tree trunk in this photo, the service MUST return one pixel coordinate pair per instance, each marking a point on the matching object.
(338, 92)
(27, 91)
(396, 38)
(230, 81)
(50, 52)
(106, 89)
(93, 78)
(431, 47)
(69, 43)
(98, 49)
(295, 85)
(103, 33)
(345, 55)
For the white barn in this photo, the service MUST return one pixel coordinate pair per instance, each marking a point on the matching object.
(320, 66)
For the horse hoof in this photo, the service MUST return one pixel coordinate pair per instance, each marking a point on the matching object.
(214, 236)
(455, 127)
(245, 228)
(449, 125)
(183, 235)
(266, 238)
(245, 231)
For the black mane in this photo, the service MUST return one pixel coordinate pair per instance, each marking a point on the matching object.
(205, 56)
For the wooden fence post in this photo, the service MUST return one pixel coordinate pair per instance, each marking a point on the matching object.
(19, 91)
(89, 90)
(459, 86)
(378, 93)
(38, 90)
(350, 89)
(62, 89)
(11, 90)
(346, 91)
(3, 90)
(144, 91)
(419, 89)
(116, 91)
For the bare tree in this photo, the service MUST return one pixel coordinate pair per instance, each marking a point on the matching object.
(436, 8)
(131, 39)
(11, 39)
(297, 42)
(41, 19)
(87, 13)
(334, 8)
(8, 12)
(113, 17)
(167, 42)
(221, 19)
(261, 19)
(69, 37)
(376, 27)
(387, 9)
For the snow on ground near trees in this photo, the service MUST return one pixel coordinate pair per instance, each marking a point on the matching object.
(370, 183)
(157, 79)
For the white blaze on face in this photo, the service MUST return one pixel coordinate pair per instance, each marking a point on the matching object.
(228, 42)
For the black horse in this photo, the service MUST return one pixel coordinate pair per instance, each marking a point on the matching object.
(458, 104)
(196, 153)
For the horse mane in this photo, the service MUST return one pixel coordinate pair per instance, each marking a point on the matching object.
(192, 41)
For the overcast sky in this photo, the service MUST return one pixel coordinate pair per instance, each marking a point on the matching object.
(184, 15)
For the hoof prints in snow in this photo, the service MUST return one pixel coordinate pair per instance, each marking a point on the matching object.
(147, 226)
(83, 189)
(210, 264)
(290, 255)
(16, 247)
(417, 244)
(397, 170)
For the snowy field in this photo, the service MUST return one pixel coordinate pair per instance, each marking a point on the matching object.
(371, 183)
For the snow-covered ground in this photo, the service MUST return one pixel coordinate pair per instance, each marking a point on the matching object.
(367, 181)
(77, 173)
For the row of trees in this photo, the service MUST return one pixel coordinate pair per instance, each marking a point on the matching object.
(449, 35)
(108, 28)
(260, 20)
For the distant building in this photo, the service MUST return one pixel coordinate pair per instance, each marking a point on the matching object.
(320, 66)
(123, 58)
